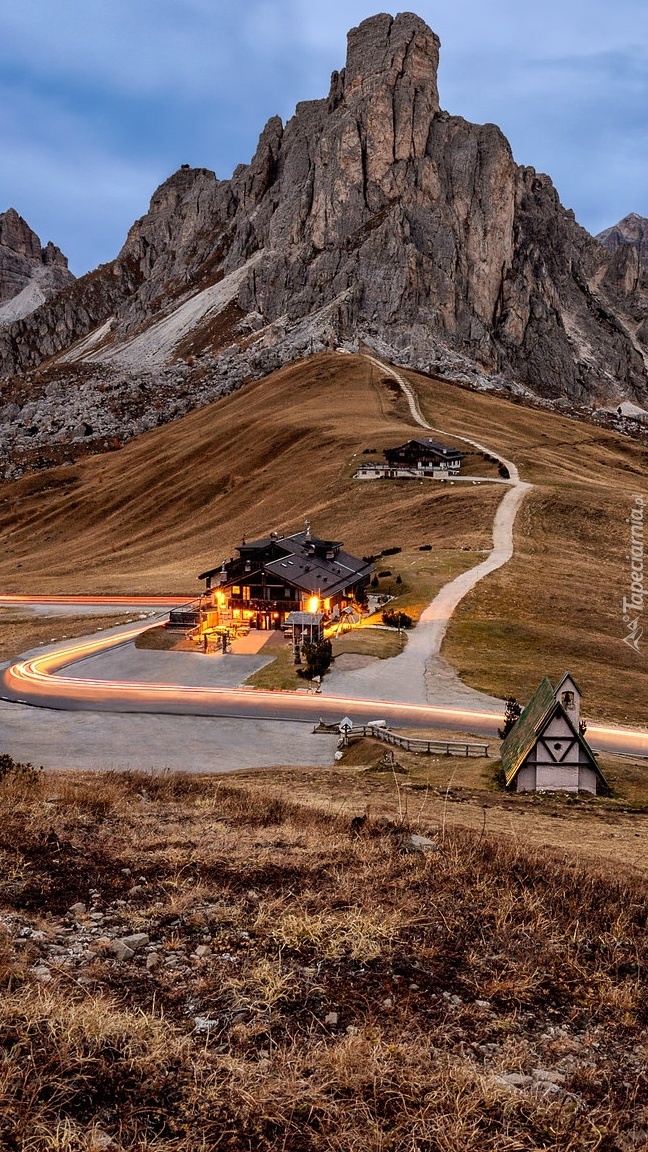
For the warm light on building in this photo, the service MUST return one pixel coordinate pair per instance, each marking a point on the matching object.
(313, 604)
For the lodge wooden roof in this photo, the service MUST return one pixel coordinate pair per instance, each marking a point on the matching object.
(304, 564)
(429, 445)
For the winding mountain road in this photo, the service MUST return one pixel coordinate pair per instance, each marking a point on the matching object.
(408, 681)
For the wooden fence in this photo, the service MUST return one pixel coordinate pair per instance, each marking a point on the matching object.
(409, 743)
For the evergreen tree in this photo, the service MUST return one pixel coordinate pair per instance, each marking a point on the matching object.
(511, 716)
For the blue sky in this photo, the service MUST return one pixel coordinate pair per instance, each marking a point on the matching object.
(100, 100)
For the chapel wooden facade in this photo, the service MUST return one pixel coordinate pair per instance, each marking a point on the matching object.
(546, 751)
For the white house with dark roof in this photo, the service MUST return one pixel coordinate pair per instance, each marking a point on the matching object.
(421, 457)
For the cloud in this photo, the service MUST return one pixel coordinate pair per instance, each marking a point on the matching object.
(101, 99)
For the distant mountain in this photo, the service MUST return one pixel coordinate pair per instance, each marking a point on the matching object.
(29, 274)
(372, 218)
(633, 229)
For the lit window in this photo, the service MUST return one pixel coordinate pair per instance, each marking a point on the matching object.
(236, 590)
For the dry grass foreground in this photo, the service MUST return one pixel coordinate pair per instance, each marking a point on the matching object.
(179, 498)
(296, 989)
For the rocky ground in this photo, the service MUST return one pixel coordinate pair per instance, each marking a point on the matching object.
(185, 961)
(60, 415)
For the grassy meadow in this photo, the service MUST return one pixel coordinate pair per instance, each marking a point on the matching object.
(298, 987)
(178, 499)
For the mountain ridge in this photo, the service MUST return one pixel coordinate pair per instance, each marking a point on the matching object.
(371, 217)
(29, 272)
(632, 230)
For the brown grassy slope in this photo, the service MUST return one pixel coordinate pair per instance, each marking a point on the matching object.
(558, 603)
(445, 974)
(179, 499)
(20, 633)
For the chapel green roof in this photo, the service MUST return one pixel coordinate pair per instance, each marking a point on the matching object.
(524, 733)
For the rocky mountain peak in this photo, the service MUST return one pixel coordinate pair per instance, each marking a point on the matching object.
(27, 270)
(633, 230)
(397, 51)
(372, 218)
(16, 235)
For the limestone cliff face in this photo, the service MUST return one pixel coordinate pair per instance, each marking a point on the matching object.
(26, 269)
(372, 215)
(632, 230)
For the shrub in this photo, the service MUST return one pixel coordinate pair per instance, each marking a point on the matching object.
(394, 619)
(10, 768)
(386, 572)
(425, 547)
(318, 658)
(390, 551)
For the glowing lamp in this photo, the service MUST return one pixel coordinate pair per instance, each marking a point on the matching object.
(313, 604)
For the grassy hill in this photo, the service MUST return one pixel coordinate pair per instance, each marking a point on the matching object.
(178, 499)
(151, 516)
(293, 987)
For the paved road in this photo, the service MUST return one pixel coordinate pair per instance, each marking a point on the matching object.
(41, 679)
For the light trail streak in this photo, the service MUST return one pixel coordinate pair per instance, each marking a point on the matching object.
(88, 601)
(38, 680)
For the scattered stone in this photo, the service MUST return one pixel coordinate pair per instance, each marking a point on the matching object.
(121, 950)
(483, 1003)
(388, 1002)
(42, 973)
(125, 871)
(152, 961)
(78, 909)
(202, 950)
(418, 844)
(331, 1018)
(203, 1024)
(352, 1030)
(136, 941)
